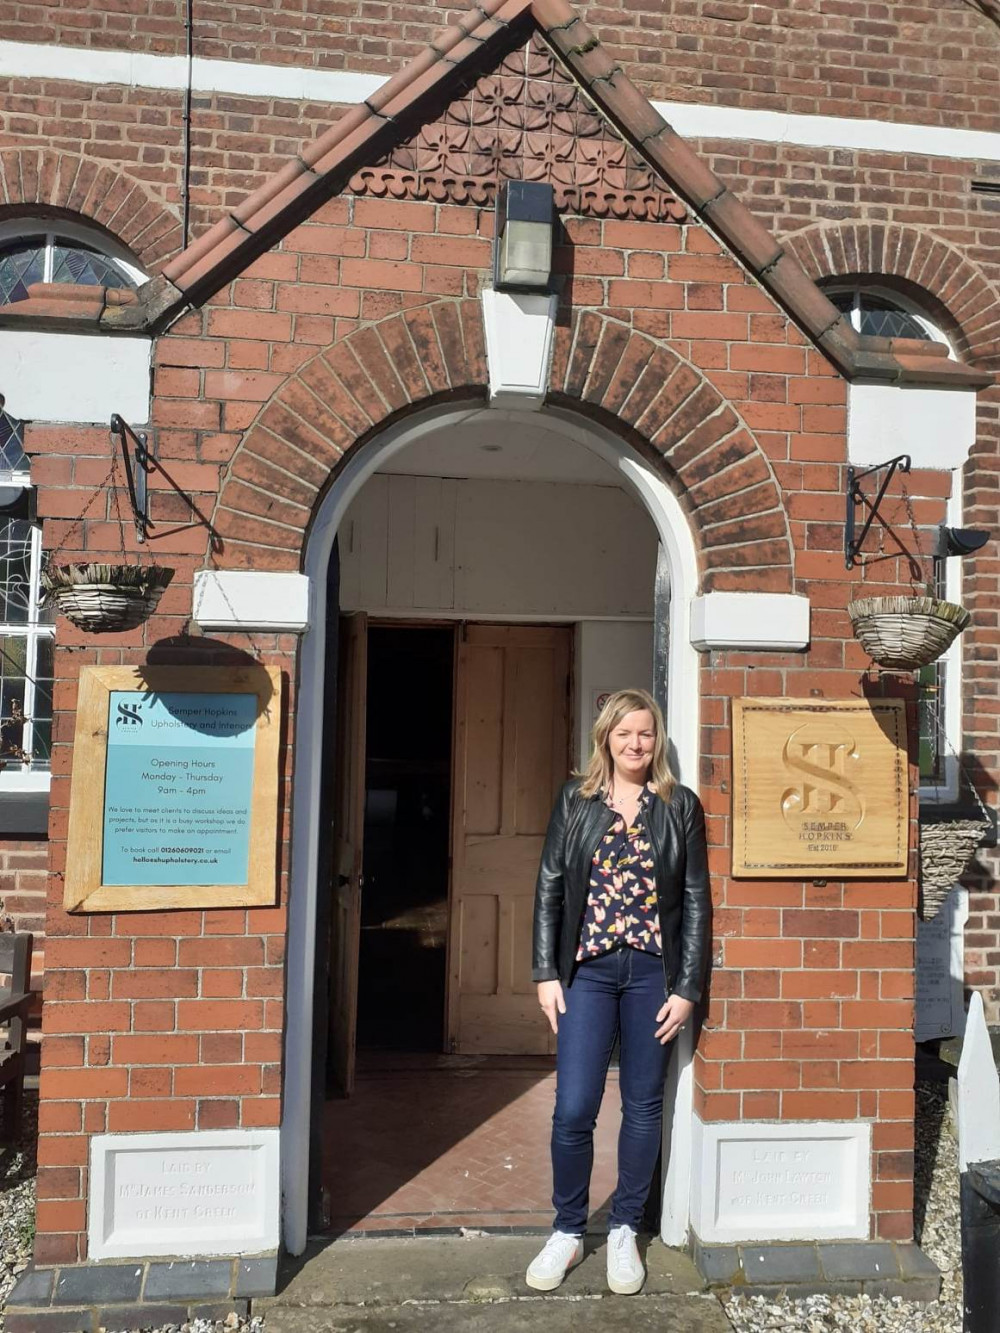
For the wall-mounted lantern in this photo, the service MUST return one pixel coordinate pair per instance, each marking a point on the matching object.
(522, 252)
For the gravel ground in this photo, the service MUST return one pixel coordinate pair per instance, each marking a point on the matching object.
(17, 1200)
(937, 1232)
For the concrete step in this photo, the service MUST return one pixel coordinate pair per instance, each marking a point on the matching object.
(594, 1314)
(468, 1272)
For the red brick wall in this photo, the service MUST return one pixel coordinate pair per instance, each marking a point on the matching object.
(23, 874)
(915, 220)
(920, 62)
(168, 995)
(171, 1021)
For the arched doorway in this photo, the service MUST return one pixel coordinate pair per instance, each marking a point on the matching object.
(623, 468)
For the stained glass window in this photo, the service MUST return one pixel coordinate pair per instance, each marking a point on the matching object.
(882, 314)
(75, 263)
(55, 256)
(21, 263)
(12, 455)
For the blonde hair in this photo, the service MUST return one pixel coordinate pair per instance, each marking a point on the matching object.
(596, 777)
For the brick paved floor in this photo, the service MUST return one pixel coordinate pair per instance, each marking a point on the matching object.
(451, 1141)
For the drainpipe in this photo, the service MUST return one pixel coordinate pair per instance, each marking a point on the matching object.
(186, 182)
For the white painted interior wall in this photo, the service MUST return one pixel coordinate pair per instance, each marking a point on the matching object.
(610, 655)
(501, 549)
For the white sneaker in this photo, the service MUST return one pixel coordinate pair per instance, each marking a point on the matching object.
(560, 1253)
(625, 1271)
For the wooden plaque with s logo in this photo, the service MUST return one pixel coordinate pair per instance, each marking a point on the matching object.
(820, 788)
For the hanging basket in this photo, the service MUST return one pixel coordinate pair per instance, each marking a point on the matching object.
(104, 598)
(906, 632)
(947, 847)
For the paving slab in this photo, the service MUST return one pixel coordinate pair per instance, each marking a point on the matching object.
(392, 1272)
(610, 1314)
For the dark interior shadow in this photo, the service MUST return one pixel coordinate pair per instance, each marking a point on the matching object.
(931, 1108)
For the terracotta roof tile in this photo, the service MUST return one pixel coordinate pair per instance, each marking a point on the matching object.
(368, 130)
(66, 304)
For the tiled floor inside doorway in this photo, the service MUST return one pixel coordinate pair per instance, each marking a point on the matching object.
(430, 1141)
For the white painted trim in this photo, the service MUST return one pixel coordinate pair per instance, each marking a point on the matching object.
(764, 621)
(225, 599)
(98, 376)
(307, 824)
(952, 660)
(23, 781)
(978, 1092)
(30, 60)
(140, 69)
(519, 328)
(694, 120)
(936, 427)
(198, 1157)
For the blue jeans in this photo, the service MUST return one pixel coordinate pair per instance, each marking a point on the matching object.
(615, 994)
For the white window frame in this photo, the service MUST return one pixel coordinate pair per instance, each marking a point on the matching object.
(27, 778)
(51, 231)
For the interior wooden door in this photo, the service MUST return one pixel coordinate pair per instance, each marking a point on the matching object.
(512, 718)
(348, 846)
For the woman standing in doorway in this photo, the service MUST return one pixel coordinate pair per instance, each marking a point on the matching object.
(621, 936)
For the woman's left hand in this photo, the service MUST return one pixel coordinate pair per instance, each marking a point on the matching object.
(672, 1017)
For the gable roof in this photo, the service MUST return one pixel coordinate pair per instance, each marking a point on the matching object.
(366, 132)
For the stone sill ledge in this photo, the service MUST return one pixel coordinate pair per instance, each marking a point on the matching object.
(140, 1294)
(801, 1268)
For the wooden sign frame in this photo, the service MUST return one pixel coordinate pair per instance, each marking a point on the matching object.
(793, 818)
(84, 890)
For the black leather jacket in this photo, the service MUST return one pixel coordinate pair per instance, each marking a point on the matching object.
(677, 832)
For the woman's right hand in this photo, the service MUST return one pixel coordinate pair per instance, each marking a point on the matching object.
(550, 997)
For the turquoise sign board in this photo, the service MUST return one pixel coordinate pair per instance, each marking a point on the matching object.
(178, 787)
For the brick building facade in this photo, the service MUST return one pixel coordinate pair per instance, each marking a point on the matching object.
(315, 292)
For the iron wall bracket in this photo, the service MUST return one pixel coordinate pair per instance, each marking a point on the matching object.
(137, 467)
(856, 497)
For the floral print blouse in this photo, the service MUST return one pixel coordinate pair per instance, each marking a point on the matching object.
(621, 904)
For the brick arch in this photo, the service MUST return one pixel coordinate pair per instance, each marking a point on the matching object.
(964, 294)
(42, 178)
(630, 382)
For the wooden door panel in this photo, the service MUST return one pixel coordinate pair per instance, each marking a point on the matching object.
(511, 756)
(479, 926)
(482, 691)
(524, 911)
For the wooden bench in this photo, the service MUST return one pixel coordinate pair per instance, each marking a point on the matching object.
(15, 1000)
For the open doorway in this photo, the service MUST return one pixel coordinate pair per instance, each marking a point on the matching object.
(480, 623)
(404, 899)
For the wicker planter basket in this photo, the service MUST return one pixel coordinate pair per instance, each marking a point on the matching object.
(104, 598)
(906, 632)
(947, 847)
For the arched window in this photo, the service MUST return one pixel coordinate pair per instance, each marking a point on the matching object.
(34, 250)
(881, 312)
(56, 251)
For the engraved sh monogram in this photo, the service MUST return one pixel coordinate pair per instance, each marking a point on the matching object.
(820, 755)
